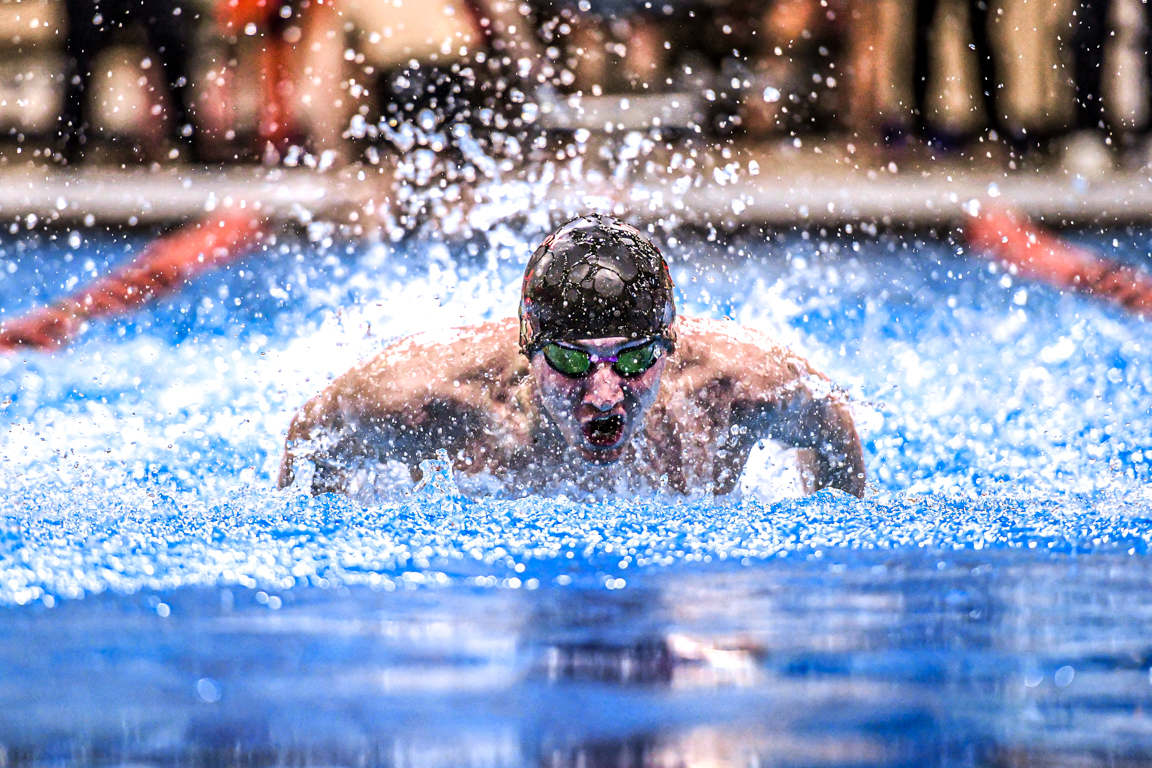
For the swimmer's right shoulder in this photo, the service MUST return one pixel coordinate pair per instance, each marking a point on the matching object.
(434, 354)
(701, 339)
(487, 335)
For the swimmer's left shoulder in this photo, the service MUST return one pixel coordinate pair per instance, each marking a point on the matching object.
(724, 353)
(426, 360)
(484, 345)
(491, 334)
(698, 335)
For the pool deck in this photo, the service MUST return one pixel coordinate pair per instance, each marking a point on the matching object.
(810, 188)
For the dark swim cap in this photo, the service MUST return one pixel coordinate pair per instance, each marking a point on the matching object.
(595, 278)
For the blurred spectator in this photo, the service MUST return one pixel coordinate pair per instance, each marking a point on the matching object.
(760, 65)
(92, 26)
(794, 54)
(1090, 23)
(616, 45)
(978, 18)
(866, 58)
(282, 25)
(1085, 151)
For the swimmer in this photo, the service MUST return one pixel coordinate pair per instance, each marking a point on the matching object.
(600, 384)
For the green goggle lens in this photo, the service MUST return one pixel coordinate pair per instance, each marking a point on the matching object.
(633, 362)
(569, 361)
(577, 362)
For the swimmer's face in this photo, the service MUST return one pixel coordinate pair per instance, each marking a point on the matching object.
(600, 410)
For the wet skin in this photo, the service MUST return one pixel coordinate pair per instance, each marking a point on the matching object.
(694, 416)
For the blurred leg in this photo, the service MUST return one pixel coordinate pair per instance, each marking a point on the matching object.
(588, 40)
(88, 28)
(979, 12)
(273, 130)
(321, 50)
(644, 62)
(1146, 48)
(169, 35)
(863, 42)
(925, 14)
(1088, 38)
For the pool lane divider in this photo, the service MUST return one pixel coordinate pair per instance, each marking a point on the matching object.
(170, 262)
(1010, 238)
(165, 266)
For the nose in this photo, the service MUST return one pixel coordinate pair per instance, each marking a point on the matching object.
(603, 391)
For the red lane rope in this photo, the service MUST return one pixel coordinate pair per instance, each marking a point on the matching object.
(1013, 240)
(164, 267)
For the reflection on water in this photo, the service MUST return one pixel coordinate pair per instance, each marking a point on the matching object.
(854, 658)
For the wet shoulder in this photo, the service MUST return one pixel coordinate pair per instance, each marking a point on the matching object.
(724, 351)
(474, 352)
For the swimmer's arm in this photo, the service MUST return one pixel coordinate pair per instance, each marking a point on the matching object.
(325, 440)
(309, 440)
(799, 407)
(372, 413)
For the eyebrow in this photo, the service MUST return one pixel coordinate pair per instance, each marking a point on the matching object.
(624, 345)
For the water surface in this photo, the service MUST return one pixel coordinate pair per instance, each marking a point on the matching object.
(986, 604)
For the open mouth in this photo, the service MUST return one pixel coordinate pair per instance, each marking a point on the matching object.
(604, 432)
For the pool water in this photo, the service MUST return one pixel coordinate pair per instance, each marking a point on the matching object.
(988, 603)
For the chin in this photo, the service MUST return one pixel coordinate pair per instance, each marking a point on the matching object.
(598, 455)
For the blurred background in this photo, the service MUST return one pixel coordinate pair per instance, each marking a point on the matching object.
(1013, 84)
(377, 168)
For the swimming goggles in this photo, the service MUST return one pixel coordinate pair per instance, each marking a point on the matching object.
(630, 362)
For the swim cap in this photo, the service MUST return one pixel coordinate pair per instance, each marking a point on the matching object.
(595, 278)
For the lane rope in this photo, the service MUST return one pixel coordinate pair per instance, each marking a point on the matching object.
(164, 267)
(1013, 240)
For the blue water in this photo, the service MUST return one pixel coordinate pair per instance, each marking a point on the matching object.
(988, 603)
